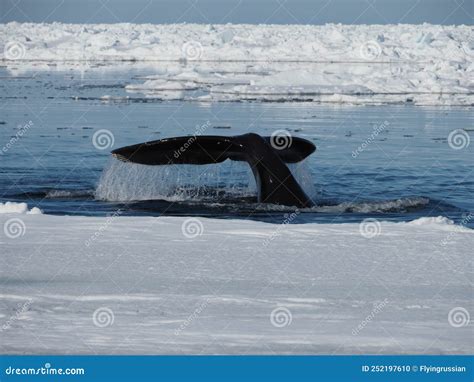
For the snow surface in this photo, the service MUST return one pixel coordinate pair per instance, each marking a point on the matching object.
(358, 64)
(140, 285)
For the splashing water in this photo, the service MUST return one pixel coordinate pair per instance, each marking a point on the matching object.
(130, 182)
(215, 182)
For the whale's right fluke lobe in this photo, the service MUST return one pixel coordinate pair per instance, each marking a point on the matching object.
(275, 183)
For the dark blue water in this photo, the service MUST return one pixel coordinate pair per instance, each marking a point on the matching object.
(406, 170)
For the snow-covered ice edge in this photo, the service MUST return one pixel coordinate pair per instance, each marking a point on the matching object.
(168, 285)
(357, 64)
(238, 42)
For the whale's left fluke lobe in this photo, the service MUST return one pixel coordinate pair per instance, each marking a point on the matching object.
(180, 150)
(274, 180)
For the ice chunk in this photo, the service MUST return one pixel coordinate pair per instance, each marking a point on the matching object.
(18, 208)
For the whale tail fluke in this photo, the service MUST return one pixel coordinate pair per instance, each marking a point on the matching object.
(275, 182)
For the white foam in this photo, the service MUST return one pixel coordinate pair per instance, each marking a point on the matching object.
(441, 223)
(18, 208)
(441, 220)
(400, 204)
(58, 194)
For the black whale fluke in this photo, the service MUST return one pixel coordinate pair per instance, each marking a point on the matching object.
(265, 155)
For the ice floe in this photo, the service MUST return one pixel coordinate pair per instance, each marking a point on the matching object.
(165, 291)
(356, 64)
